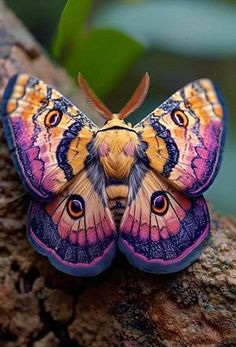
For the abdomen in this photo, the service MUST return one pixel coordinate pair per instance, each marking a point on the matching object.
(117, 193)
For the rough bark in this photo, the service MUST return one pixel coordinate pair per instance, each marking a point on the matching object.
(39, 306)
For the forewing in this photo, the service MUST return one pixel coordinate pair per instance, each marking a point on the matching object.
(75, 230)
(47, 135)
(185, 136)
(162, 229)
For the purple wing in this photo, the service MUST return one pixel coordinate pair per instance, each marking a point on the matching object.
(47, 135)
(162, 229)
(75, 231)
(185, 136)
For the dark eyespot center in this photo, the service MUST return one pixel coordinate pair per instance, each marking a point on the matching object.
(76, 206)
(179, 118)
(53, 118)
(159, 203)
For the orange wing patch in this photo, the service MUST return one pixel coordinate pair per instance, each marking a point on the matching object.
(189, 133)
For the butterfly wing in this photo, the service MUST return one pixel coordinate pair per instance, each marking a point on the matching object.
(184, 136)
(75, 230)
(47, 135)
(162, 229)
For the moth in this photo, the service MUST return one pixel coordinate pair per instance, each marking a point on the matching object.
(98, 190)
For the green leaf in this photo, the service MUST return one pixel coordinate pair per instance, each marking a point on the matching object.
(197, 28)
(71, 26)
(103, 58)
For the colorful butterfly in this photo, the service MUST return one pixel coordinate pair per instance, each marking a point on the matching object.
(138, 189)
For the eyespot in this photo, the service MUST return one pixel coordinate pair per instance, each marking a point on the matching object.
(53, 118)
(159, 203)
(75, 206)
(179, 118)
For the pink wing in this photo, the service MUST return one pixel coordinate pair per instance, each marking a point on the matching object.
(47, 135)
(185, 136)
(75, 231)
(162, 230)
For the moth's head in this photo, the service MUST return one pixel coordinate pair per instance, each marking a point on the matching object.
(116, 119)
(115, 122)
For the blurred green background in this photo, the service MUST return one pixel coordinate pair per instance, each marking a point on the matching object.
(113, 43)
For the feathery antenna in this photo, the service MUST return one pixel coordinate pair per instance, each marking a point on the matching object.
(134, 102)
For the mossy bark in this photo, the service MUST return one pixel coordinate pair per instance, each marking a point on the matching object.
(40, 306)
